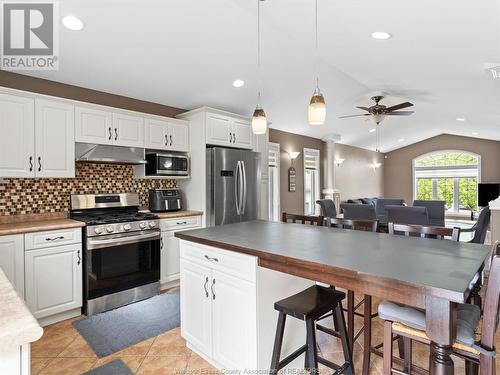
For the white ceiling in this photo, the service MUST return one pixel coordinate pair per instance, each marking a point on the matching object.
(186, 53)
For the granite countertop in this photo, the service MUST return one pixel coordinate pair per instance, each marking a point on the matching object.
(17, 227)
(175, 214)
(17, 325)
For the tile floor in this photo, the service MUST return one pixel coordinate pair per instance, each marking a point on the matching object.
(62, 350)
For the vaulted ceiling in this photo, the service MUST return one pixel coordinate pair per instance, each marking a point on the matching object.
(186, 53)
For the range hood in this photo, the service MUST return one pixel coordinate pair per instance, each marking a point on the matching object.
(92, 153)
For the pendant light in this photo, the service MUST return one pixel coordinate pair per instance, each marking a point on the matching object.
(259, 120)
(317, 106)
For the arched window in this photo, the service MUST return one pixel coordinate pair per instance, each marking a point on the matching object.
(451, 176)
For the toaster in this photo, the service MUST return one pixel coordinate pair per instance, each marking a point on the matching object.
(162, 200)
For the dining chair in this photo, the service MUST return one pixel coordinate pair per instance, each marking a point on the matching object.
(356, 211)
(351, 309)
(328, 208)
(302, 219)
(480, 228)
(424, 231)
(475, 342)
(435, 209)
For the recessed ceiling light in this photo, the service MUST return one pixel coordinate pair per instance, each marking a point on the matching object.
(72, 23)
(372, 130)
(461, 119)
(401, 140)
(475, 133)
(382, 35)
(238, 83)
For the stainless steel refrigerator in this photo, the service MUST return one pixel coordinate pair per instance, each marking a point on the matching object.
(233, 185)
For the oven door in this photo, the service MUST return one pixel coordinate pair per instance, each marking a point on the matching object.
(172, 165)
(119, 262)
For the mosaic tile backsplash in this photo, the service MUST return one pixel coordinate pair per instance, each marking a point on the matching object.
(19, 196)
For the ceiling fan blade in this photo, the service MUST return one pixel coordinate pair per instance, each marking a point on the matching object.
(366, 114)
(401, 113)
(399, 106)
(364, 108)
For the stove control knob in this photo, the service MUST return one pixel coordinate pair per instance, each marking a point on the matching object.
(98, 230)
(127, 227)
(152, 224)
(109, 229)
(142, 225)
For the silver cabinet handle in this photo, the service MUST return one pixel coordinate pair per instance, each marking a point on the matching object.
(171, 140)
(79, 259)
(212, 289)
(116, 134)
(205, 287)
(166, 140)
(54, 238)
(39, 164)
(211, 259)
(31, 163)
(110, 134)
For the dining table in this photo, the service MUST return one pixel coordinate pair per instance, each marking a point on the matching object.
(430, 274)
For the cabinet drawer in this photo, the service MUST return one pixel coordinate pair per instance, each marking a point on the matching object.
(239, 265)
(52, 238)
(180, 223)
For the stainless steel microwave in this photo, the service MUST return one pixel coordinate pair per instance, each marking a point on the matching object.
(163, 164)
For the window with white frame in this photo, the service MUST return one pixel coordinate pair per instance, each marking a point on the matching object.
(311, 181)
(448, 175)
(274, 181)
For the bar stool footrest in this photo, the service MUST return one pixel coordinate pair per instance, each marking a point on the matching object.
(338, 369)
(285, 361)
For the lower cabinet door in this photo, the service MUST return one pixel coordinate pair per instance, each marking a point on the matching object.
(169, 260)
(196, 312)
(53, 279)
(234, 327)
(12, 260)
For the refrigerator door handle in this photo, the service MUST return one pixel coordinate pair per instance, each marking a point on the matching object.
(244, 198)
(236, 194)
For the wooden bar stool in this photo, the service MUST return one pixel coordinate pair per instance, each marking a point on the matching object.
(309, 305)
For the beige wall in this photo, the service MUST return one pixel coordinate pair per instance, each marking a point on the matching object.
(355, 177)
(293, 202)
(398, 174)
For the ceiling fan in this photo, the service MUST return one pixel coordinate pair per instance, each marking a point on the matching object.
(379, 111)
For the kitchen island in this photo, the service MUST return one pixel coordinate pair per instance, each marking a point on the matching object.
(231, 276)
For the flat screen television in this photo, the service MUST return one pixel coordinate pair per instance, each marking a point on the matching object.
(487, 192)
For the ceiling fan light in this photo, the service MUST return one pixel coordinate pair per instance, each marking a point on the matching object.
(317, 109)
(378, 118)
(259, 121)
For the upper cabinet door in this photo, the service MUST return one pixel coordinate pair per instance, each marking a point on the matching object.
(17, 136)
(156, 134)
(242, 134)
(93, 125)
(219, 130)
(128, 130)
(55, 139)
(178, 137)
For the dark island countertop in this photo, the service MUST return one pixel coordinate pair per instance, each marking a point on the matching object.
(375, 263)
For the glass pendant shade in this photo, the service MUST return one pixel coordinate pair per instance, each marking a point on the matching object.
(317, 109)
(259, 121)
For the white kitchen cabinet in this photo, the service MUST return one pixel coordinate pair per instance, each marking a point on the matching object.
(17, 136)
(178, 134)
(93, 125)
(228, 131)
(128, 130)
(55, 138)
(166, 134)
(53, 279)
(242, 134)
(12, 260)
(196, 323)
(233, 300)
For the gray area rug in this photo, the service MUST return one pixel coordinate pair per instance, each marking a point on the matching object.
(116, 367)
(114, 330)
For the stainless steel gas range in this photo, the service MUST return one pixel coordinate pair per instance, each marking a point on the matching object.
(121, 250)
